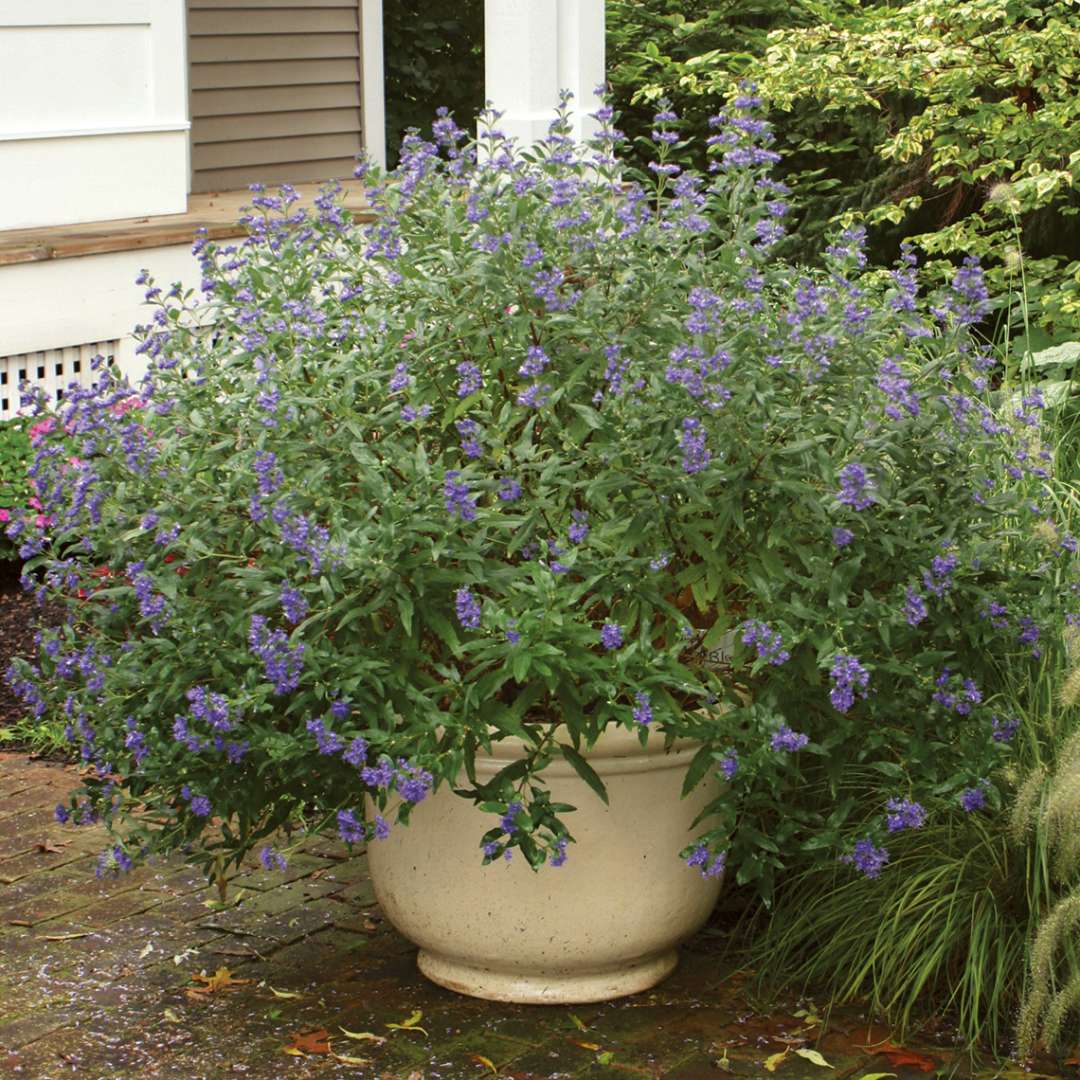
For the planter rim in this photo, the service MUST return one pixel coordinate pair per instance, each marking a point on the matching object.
(617, 750)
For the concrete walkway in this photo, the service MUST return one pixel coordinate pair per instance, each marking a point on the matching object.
(116, 978)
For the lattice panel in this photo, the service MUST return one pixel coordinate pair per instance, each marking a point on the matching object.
(54, 370)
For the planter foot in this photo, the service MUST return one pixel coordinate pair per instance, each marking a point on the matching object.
(547, 988)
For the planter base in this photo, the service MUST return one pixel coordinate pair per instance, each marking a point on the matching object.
(547, 988)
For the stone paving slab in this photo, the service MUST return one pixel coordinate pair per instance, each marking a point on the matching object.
(96, 981)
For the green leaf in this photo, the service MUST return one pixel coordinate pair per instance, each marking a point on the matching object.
(584, 770)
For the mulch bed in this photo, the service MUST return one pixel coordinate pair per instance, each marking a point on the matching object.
(19, 615)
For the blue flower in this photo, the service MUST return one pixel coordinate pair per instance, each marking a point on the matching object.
(769, 643)
(855, 487)
(904, 814)
(696, 456)
(456, 495)
(972, 799)
(847, 675)
(611, 636)
(642, 711)
(786, 739)
(509, 489)
(1004, 730)
(468, 609)
(914, 607)
(470, 379)
(841, 537)
(508, 821)
(350, 829)
(867, 858)
(293, 604)
(580, 527)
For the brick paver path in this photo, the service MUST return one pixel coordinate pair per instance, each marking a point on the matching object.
(95, 978)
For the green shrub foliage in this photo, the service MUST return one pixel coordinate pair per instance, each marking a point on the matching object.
(539, 446)
(952, 125)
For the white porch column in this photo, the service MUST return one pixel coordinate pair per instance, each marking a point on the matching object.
(535, 48)
(373, 112)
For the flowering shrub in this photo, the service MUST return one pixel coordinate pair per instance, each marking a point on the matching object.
(15, 493)
(538, 450)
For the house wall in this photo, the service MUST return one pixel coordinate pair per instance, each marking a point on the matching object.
(93, 110)
(57, 303)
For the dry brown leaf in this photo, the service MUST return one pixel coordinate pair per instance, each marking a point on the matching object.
(222, 979)
(899, 1057)
(19, 922)
(48, 847)
(486, 1062)
(64, 937)
(309, 1041)
(586, 1045)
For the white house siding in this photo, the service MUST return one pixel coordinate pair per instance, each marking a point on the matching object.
(58, 303)
(93, 110)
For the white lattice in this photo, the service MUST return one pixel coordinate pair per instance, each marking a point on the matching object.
(54, 370)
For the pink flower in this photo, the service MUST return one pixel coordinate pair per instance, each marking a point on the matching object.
(121, 407)
(5, 515)
(41, 428)
(41, 521)
(35, 502)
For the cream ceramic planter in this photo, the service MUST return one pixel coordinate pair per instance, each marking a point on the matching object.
(605, 924)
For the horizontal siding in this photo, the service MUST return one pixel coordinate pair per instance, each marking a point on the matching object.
(228, 5)
(275, 91)
(217, 129)
(274, 73)
(272, 151)
(290, 20)
(271, 99)
(293, 172)
(231, 48)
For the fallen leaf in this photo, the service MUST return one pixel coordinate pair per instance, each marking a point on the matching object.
(606, 1057)
(147, 949)
(481, 1060)
(814, 1058)
(284, 993)
(370, 926)
(412, 1024)
(345, 1059)
(180, 957)
(222, 979)
(876, 1076)
(363, 1036)
(64, 937)
(587, 1045)
(47, 847)
(900, 1058)
(309, 1041)
(19, 922)
(173, 1016)
(576, 1021)
(773, 1062)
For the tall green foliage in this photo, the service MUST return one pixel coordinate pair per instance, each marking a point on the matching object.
(434, 57)
(927, 119)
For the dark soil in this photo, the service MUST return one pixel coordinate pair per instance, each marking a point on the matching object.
(19, 615)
